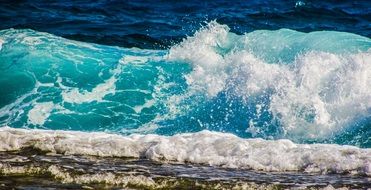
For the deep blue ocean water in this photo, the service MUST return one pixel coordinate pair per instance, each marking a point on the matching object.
(160, 24)
(272, 69)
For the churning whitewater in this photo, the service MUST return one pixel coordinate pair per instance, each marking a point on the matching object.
(283, 84)
(205, 147)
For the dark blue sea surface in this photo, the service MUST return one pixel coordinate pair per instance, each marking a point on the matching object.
(160, 24)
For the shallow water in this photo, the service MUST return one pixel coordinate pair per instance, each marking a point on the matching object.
(109, 173)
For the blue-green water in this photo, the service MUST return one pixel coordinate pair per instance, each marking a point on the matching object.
(308, 87)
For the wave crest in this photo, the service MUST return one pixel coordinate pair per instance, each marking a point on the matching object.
(308, 87)
(311, 85)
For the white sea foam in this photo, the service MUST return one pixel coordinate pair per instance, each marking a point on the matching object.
(40, 112)
(208, 64)
(147, 104)
(1, 43)
(205, 147)
(133, 59)
(312, 96)
(75, 95)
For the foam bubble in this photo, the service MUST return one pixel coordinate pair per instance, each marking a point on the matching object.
(299, 4)
(205, 147)
(1, 43)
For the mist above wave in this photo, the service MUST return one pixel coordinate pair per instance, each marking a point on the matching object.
(311, 85)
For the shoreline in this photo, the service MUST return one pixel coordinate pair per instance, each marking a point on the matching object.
(209, 148)
(33, 168)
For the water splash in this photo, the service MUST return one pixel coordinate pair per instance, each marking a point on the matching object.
(308, 87)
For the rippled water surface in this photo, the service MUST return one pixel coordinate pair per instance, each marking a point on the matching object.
(148, 24)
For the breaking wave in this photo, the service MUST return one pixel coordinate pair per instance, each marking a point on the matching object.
(306, 87)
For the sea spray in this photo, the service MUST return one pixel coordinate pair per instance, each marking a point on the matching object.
(307, 87)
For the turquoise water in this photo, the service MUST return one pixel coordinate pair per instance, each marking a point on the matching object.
(308, 87)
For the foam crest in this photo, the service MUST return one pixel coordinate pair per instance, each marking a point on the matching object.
(312, 90)
(211, 148)
(208, 64)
